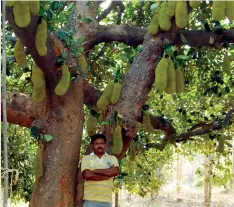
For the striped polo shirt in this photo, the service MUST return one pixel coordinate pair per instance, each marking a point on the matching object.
(98, 190)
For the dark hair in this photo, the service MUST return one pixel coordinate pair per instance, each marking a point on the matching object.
(98, 136)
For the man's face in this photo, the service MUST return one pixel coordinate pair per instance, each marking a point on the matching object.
(99, 146)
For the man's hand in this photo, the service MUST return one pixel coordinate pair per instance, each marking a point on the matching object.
(91, 175)
(110, 172)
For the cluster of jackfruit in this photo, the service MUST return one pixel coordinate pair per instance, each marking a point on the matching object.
(111, 95)
(147, 123)
(117, 141)
(64, 81)
(167, 78)
(221, 9)
(83, 64)
(227, 64)
(41, 37)
(39, 85)
(162, 16)
(19, 54)
(38, 161)
(21, 11)
(220, 147)
(92, 125)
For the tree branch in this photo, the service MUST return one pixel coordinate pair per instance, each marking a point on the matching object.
(103, 15)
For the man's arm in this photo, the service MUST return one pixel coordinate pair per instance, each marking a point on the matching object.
(91, 175)
(110, 172)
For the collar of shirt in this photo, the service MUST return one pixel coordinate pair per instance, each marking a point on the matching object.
(92, 154)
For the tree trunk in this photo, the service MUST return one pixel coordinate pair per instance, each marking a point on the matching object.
(116, 199)
(178, 175)
(233, 160)
(56, 188)
(208, 180)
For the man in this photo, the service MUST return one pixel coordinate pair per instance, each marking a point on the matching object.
(98, 169)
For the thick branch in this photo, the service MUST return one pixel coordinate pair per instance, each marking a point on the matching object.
(205, 38)
(21, 110)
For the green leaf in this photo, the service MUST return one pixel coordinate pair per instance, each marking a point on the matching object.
(183, 39)
(105, 123)
(87, 20)
(79, 41)
(183, 57)
(153, 7)
(48, 137)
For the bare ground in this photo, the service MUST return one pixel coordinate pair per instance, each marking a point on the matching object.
(188, 197)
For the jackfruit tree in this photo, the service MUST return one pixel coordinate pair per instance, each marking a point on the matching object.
(162, 69)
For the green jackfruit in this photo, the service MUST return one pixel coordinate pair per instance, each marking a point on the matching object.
(161, 74)
(132, 152)
(109, 90)
(179, 80)
(41, 37)
(102, 103)
(34, 7)
(220, 147)
(181, 14)
(218, 10)
(117, 141)
(116, 93)
(171, 8)
(64, 81)
(154, 24)
(147, 123)
(39, 85)
(227, 65)
(171, 78)
(194, 4)
(91, 125)
(19, 54)
(230, 10)
(83, 64)
(164, 18)
(21, 14)
(38, 161)
(10, 3)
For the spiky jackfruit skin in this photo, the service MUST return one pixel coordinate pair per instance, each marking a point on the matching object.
(179, 80)
(91, 125)
(164, 18)
(83, 64)
(161, 74)
(109, 90)
(39, 85)
(147, 123)
(171, 8)
(19, 54)
(218, 10)
(41, 37)
(21, 14)
(181, 14)
(171, 78)
(38, 161)
(220, 147)
(227, 65)
(102, 103)
(117, 141)
(132, 152)
(116, 93)
(34, 7)
(10, 3)
(194, 4)
(64, 81)
(154, 24)
(230, 10)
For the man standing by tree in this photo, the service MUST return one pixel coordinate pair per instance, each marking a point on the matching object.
(98, 170)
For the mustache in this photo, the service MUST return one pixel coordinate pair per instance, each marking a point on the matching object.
(99, 148)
